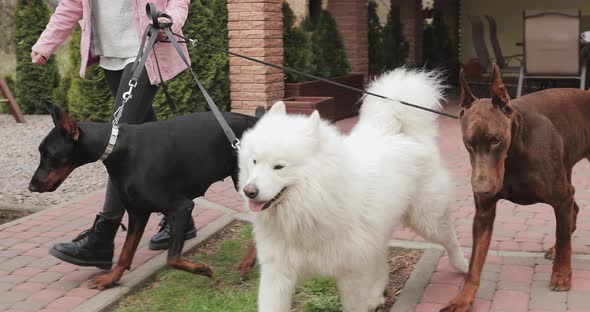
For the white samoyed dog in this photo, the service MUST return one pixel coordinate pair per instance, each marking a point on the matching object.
(327, 204)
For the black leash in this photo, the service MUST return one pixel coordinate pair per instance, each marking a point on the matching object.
(151, 32)
(195, 42)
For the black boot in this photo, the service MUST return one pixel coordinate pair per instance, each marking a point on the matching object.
(162, 239)
(93, 247)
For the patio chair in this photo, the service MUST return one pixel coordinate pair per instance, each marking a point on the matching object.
(552, 47)
(502, 61)
(481, 49)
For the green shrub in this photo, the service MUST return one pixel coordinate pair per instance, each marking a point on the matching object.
(33, 83)
(297, 47)
(436, 45)
(328, 48)
(375, 40)
(395, 46)
(87, 98)
(207, 22)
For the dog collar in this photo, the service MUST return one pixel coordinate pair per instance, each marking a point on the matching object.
(112, 141)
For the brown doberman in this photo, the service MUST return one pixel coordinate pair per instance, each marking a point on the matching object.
(523, 151)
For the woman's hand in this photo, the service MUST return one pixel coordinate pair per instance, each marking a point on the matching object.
(162, 36)
(38, 59)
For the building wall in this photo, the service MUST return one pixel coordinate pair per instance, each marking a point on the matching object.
(508, 15)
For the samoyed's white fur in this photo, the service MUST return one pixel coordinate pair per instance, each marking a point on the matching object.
(327, 204)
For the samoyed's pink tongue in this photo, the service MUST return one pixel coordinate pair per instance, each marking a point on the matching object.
(256, 206)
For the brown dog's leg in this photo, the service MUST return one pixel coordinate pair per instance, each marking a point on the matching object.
(550, 254)
(134, 233)
(483, 224)
(248, 262)
(564, 214)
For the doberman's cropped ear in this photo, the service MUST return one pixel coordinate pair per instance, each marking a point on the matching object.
(55, 111)
(260, 111)
(63, 120)
(499, 93)
(467, 97)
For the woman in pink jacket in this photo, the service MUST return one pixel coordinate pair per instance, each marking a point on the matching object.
(111, 31)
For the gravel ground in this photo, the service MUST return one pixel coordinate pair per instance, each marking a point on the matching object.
(19, 158)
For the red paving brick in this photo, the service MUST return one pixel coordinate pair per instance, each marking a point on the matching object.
(510, 301)
(29, 287)
(66, 303)
(47, 296)
(439, 293)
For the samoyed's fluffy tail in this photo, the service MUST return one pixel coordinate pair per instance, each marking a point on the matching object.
(419, 87)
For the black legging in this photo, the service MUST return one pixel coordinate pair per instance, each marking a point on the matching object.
(137, 110)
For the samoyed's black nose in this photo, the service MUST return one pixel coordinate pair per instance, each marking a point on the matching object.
(251, 190)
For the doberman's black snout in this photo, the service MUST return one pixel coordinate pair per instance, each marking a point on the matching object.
(251, 190)
(35, 185)
(32, 186)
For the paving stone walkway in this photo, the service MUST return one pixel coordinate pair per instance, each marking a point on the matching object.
(32, 280)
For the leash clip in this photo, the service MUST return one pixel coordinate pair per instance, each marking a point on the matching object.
(193, 42)
(236, 144)
(127, 95)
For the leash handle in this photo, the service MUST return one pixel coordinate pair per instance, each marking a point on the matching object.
(154, 15)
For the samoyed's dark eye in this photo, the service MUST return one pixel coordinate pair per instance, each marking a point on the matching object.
(279, 167)
(254, 161)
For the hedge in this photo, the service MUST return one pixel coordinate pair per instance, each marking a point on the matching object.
(375, 39)
(328, 48)
(394, 44)
(89, 98)
(297, 47)
(34, 84)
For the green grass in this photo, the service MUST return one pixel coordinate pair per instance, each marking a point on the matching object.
(173, 290)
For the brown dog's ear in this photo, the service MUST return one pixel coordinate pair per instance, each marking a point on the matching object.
(64, 121)
(499, 93)
(466, 96)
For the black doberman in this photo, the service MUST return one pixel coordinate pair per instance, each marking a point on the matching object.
(155, 167)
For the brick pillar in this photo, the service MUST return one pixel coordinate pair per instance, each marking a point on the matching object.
(411, 18)
(256, 30)
(352, 19)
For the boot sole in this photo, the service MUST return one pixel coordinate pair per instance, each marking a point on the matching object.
(164, 245)
(103, 265)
